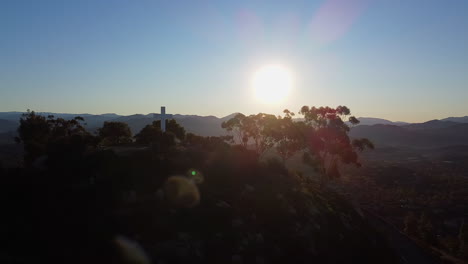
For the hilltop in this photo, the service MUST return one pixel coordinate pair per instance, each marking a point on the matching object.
(239, 210)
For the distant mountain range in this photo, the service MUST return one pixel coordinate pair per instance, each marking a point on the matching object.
(435, 133)
(444, 132)
(200, 125)
(7, 125)
(369, 121)
(463, 119)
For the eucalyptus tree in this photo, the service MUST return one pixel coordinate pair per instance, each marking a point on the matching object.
(327, 141)
(321, 136)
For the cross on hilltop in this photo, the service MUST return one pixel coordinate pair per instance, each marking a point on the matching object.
(164, 117)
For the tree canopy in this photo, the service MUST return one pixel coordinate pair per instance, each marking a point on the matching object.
(42, 135)
(321, 135)
(115, 133)
(152, 133)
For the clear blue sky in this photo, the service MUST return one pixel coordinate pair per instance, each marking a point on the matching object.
(395, 59)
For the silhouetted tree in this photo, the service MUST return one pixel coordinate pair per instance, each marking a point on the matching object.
(33, 132)
(290, 139)
(115, 133)
(237, 126)
(149, 134)
(327, 142)
(152, 133)
(39, 134)
(173, 127)
(262, 129)
(207, 143)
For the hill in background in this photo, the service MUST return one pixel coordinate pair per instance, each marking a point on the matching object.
(435, 133)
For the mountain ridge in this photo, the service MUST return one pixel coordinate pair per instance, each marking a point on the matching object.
(383, 132)
(375, 121)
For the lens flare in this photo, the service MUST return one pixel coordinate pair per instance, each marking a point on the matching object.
(196, 176)
(181, 192)
(131, 251)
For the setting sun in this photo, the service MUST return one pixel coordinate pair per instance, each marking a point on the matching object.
(272, 83)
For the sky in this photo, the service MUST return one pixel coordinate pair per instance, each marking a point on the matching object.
(395, 59)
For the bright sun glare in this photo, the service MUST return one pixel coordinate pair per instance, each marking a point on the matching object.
(272, 83)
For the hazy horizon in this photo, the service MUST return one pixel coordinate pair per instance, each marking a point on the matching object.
(217, 116)
(397, 60)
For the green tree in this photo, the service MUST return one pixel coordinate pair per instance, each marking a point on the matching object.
(115, 133)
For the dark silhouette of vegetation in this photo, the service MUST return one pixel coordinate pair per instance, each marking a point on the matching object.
(237, 127)
(201, 200)
(152, 133)
(173, 127)
(115, 133)
(41, 136)
(149, 134)
(328, 144)
(207, 143)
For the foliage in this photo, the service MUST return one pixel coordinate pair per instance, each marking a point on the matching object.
(207, 143)
(115, 133)
(152, 133)
(238, 128)
(327, 139)
(149, 134)
(41, 135)
(176, 129)
(322, 136)
(263, 131)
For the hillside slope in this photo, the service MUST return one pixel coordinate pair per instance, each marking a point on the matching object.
(241, 211)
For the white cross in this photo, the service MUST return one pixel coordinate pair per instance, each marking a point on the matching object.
(163, 118)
